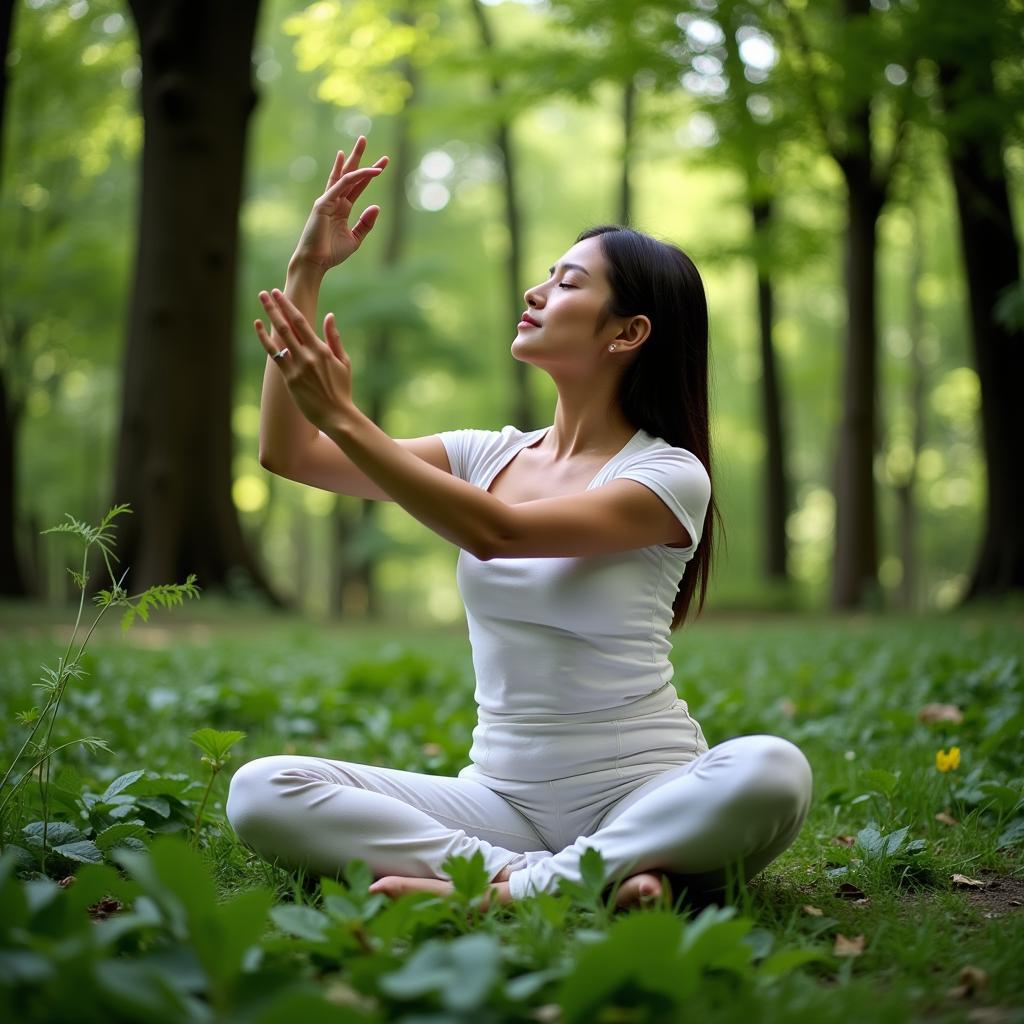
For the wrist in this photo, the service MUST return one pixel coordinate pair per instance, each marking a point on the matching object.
(303, 266)
(344, 420)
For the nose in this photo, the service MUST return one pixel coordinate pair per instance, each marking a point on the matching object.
(533, 296)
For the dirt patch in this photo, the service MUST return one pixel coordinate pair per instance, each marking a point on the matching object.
(1002, 894)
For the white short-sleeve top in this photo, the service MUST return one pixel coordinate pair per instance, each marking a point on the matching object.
(569, 635)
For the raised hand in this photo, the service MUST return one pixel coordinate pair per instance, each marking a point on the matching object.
(318, 372)
(327, 239)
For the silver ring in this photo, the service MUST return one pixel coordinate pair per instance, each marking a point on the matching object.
(281, 354)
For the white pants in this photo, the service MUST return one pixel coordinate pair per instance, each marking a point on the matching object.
(640, 785)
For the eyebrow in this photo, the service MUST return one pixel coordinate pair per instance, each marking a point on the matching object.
(570, 266)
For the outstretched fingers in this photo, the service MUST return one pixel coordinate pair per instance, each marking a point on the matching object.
(297, 323)
(333, 338)
(366, 221)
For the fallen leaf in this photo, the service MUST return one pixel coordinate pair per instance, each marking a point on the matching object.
(941, 713)
(850, 892)
(342, 994)
(844, 840)
(66, 881)
(103, 908)
(813, 911)
(972, 979)
(848, 947)
(547, 1013)
(946, 818)
(969, 883)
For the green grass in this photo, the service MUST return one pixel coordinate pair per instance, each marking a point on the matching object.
(847, 691)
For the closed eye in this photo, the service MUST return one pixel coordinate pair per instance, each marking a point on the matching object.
(564, 285)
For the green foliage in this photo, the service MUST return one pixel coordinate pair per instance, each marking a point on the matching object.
(39, 753)
(331, 946)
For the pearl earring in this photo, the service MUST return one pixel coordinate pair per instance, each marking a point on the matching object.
(611, 348)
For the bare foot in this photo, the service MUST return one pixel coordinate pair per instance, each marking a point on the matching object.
(639, 889)
(397, 885)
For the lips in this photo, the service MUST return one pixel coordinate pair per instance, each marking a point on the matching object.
(527, 319)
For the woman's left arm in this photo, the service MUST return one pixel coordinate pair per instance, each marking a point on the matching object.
(621, 515)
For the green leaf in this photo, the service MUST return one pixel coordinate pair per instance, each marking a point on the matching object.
(122, 782)
(870, 841)
(301, 922)
(57, 832)
(216, 744)
(1013, 834)
(641, 950)
(468, 875)
(894, 840)
(115, 834)
(880, 780)
(787, 960)
(84, 850)
(462, 972)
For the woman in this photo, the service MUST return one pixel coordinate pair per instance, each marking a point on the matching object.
(574, 543)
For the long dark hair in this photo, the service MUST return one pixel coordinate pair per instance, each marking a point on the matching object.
(665, 389)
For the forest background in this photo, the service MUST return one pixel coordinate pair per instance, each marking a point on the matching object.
(818, 160)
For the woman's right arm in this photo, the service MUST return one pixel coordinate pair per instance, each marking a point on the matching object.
(291, 446)
(284, 431)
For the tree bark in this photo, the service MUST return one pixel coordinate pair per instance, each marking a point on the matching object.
(175, 442)
(12, 576)
(855, 578)
(776, 484)
(991, 262)
(855, 566)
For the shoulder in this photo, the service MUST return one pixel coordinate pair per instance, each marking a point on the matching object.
(471, 451)
(664, 460)
(676, 475)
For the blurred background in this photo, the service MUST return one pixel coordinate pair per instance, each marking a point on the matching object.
(846, 174)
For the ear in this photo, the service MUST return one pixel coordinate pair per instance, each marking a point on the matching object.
(635, 331)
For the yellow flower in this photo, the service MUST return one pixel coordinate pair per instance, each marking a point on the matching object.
(947, 762)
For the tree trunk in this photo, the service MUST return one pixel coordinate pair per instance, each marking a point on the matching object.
(174, 450)
(12, 577)
(522, 405)
(776, 484)
(855, 573)
(991, 262)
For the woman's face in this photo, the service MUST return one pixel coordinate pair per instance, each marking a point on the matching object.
(567, 308)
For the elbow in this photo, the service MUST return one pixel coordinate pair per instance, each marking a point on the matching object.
(493, 544)
(268, 462)
(482, 552)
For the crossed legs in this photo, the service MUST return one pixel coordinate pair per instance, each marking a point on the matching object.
(741, 802)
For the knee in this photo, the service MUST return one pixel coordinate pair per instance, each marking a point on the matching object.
(781, 773)
(250, 796)
(765, 774)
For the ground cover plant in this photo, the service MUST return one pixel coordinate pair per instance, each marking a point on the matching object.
(901, 900)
